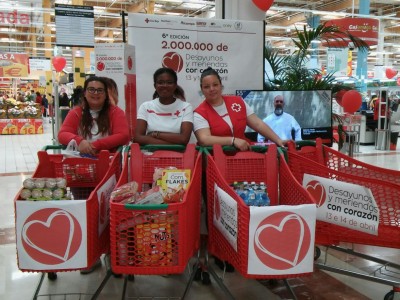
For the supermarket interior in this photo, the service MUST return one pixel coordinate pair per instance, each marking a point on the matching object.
(44, 51)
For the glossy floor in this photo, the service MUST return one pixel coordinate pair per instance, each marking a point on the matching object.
(18, 161)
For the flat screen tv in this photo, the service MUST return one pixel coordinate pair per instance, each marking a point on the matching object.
(311, 109)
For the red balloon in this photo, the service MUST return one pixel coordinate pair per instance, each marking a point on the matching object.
(390, 73)
(59, 63)
(263, 4)
(351, 101)
(339, 96)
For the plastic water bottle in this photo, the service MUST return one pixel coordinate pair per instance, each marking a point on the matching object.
(251, 197)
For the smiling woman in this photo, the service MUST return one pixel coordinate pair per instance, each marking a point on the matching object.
(168, 110)
(97, 124)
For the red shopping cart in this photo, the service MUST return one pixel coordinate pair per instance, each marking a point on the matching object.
(71, 233)
(223, 169)
(385, 189)
(175, 227)
(336, 160)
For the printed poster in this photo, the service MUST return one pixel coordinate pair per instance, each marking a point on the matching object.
(281, 239)
(234, 48)
(51, 234)
(103, 197)
(14, 64)
(226, 215)
(344, 204)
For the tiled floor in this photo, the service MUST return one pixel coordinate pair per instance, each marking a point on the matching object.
(17, 162)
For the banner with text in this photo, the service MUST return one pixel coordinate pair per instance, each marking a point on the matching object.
(226, 215)
(14, 64)
(234, 48)
(345, 204)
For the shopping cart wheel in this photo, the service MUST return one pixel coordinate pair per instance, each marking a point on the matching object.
(131, 277)
(52, 275)
(205, 278)
(198, 271)
(389, 296)
(317, 253)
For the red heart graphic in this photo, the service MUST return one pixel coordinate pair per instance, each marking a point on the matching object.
(173, 60)
(51, 236)
(130, 63)
(317, 191)
(282, 240)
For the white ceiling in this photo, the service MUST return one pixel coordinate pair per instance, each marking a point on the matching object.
(281, 20)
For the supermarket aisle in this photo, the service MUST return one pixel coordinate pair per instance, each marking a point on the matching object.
(18, 160)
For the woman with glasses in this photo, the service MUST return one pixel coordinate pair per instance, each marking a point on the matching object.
(96, 124)
(223, 119)
(168, 118)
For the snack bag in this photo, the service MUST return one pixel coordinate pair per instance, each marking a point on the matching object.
(126, 192)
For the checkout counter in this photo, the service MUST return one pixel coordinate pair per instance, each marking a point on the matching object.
(367, 128)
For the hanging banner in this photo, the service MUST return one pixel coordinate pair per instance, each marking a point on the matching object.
(14, 64)
(39, 64)
(234, 48)
(345, 204)
(364, 28)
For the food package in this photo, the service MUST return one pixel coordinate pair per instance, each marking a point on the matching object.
(126, 192)
(174, 183)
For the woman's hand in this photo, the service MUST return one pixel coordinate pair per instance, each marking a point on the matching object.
(241, 144)
(86, 147)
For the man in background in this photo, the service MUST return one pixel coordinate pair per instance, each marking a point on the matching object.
(282, 123)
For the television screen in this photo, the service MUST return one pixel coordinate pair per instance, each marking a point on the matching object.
(311, 109)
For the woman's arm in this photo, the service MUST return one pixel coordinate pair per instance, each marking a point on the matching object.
(258, 125)
(69, 128)
(119, 134)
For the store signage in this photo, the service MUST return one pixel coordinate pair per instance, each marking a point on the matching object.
(364, 28)
(14, 18)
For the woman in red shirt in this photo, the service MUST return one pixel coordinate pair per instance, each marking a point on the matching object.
(96, 124)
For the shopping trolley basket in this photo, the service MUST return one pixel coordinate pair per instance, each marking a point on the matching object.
(70, 233)
(385, 193)
(242, 239)
(336, 160)
(175, 227)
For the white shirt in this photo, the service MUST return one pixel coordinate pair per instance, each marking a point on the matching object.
(160, 117)
(200, 122)
(282, 125)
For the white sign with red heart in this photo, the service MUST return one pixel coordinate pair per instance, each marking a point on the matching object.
(281, 239)
(51, 235)
(345, 204)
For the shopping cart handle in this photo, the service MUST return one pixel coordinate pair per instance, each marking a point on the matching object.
(53, 147)
(145, 206)
(164, 147)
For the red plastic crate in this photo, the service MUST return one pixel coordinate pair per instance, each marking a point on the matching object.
(223, 168)
(96, 210)
(386, 195)
(156, 239)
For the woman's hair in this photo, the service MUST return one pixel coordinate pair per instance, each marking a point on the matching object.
(207, 72)
(103, 121)
(179, 92)
(112, 85)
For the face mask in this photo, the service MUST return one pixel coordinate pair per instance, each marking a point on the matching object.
(278, 110)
